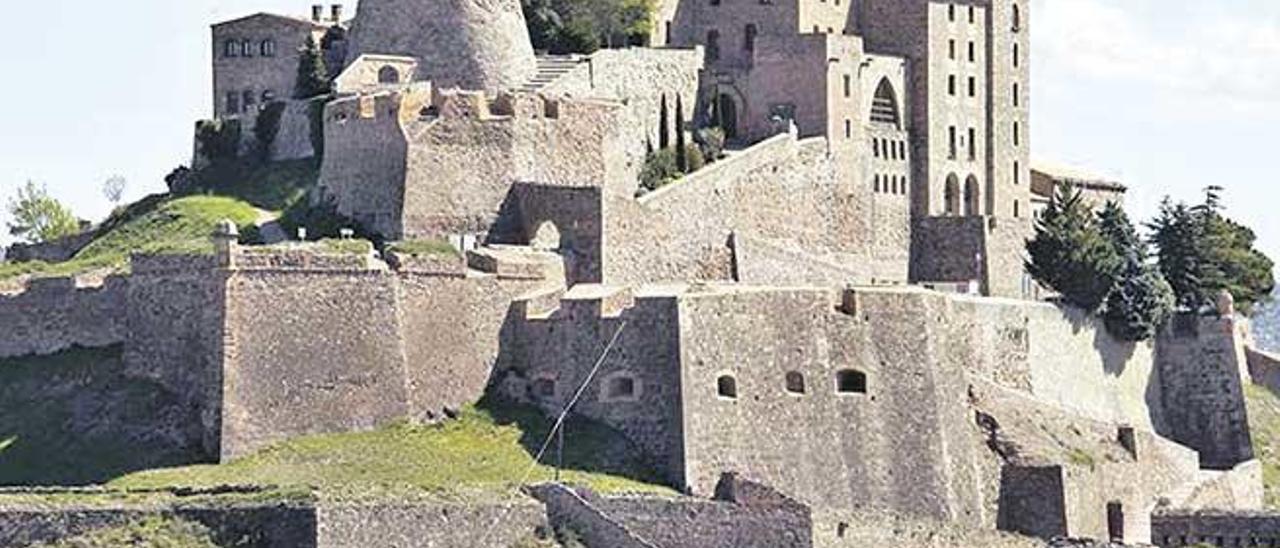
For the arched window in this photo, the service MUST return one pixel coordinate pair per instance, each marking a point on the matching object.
(951, 195)
(795, 382)
(268, 96)
(388, 75)
(971, 197)
(749, 37)
(849, 381)
(246, 48)
(727, 387)
(233, 102)
(249, 99)
(267, 48)
(713, 45)
(884, 105)
(1017, 18)
(621, 387)
(230, 48)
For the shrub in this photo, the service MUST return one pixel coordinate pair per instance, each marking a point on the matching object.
(219, 140)
(266, 128)
(659, 169)
(1141, 300)
(694, 159)
(711, 141)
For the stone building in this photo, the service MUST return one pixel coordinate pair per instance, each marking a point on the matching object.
(255, 58)
(1095, 190)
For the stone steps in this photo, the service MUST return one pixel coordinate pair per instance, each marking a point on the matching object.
(550, 69)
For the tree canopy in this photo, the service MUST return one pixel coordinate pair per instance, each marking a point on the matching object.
(583, 26)
(313, 77)
(1071, 255)
(38, 217)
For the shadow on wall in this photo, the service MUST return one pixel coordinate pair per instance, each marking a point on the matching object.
(589, 446)
(74, 418)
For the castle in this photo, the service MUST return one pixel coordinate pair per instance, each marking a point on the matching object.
(836, 310)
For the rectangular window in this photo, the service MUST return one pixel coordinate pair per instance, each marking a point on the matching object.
(1016, 95)
(971, 14)
(951, 12)
(848, 129)
(1017, 173)
(973, 144)
(1017, 134)
(848, 85)
(973, 52)
(951, 85)
(951, 50)
(973, 87)
(233, 102)
(951, 131)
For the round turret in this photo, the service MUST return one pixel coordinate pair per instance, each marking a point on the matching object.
(471, 44)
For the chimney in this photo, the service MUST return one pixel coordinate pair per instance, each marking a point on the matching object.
(336, 11)
(317, 13)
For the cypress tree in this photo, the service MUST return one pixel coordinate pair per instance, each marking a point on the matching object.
(664, 128)
(682, 155)
(1141, 300)
(313, 77)
(1071, 255)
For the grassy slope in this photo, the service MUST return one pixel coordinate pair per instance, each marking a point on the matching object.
(154, 225)
(75, 418)
(487, 450)
(1264, 422)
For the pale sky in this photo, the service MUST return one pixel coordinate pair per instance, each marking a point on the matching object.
(1167, 96)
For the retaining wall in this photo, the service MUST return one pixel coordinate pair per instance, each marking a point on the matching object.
(54, 314)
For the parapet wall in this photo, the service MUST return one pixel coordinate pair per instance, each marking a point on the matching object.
(986, 249)
(54, 314)
(1178, 528)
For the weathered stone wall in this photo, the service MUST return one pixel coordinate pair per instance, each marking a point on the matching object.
(1264, 368)
(369, 72)
(1201, 365)
(1239, 488)
(309, 352)
(176, 318)
(54, 314)
(391, 525)
(857, 529)
(956, 249)
(1179, 528)
(472, 44)
(560, 339)
(638, 78)
(260, 526)
(365, 160)
(824, 446)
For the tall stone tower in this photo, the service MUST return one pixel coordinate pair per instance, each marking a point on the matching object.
(472, 44)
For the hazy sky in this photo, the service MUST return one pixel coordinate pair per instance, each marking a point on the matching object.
(1168, 96)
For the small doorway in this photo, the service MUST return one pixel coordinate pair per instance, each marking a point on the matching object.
(1115, 521)
(726, 115)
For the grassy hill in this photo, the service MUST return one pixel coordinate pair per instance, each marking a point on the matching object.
(1263, 407)
(487, 450)
(156, 224)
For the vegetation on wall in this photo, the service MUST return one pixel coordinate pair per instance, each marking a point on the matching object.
(584, 26)
(219, 140)
(145, 532)
(670, 162)
(266, 127)
(37, 217)
(313, 77)
(1202, 252)
(1100, 263)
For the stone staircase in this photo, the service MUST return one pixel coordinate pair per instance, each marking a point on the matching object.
(550, 69)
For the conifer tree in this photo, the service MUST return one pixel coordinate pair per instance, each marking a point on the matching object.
(1141, 300)
(1071, 255)
(682, 155)
(664, 127)
(313, 77)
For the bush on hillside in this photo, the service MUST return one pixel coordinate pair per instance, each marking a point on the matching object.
(660, 167)
(219, 140)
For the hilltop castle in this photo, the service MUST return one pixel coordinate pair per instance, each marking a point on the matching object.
(837, 309)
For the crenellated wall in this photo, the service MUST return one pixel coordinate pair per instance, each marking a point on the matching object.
(54, 314)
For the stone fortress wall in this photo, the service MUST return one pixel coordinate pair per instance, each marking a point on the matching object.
(54, 314)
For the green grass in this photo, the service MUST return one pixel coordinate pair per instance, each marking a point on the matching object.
(487, 450)
(74, 418)
(154, 225)
(424, 247)
(1263, 407)
(274, 186)
(147, 532)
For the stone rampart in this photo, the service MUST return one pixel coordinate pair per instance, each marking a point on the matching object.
(1239, 488)
(53, 314)
(958, 249)
(1264, 368)
(392, 525)
(1201, 363)
(1178, 528)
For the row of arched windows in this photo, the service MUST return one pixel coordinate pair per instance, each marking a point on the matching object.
(249, 48)
(891, 184)
(847, 381)
(889, 149)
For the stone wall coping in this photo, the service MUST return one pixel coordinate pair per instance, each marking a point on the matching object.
(752, 156)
